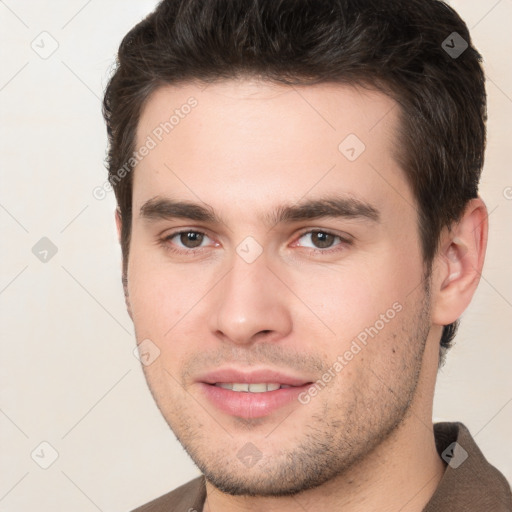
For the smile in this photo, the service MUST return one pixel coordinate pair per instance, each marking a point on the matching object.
(250, 387)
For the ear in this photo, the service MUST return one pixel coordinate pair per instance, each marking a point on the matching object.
(458, 264)
(119, 225)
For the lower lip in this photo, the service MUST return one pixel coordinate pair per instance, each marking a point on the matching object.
(251, 405)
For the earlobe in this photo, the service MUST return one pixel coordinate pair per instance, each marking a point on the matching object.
(119, 223)
(127, 296)
(119, 226)
(458, 264)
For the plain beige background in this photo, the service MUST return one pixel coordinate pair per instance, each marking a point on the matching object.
(68, 374)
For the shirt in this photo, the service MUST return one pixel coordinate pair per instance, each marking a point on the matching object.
(469, 483)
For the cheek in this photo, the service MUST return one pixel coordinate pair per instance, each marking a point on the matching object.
(158, 296)
(159, 304)
(351, 298)
(372, 313)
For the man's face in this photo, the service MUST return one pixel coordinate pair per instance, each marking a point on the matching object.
(332, 306)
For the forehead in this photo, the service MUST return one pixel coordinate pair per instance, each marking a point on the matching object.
(257, 140)
(246, 104)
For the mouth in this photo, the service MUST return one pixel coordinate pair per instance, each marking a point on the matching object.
(252, 394)
(246, 387)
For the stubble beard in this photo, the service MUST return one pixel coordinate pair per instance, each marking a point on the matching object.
(331, 443)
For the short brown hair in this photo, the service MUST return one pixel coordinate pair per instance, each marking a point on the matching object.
(418, 52)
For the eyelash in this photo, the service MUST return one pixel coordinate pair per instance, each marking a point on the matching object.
(165, 242)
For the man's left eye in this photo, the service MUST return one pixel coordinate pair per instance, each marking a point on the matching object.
(322, 239)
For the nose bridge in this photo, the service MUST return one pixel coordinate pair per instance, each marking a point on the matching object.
(248, 301)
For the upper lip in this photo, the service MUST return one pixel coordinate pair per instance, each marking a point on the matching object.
(251, 377)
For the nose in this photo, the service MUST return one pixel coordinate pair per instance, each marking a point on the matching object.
(250, 304)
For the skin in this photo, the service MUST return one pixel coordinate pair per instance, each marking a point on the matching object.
(365, 441)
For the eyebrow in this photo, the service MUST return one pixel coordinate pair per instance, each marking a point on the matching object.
(159, 208)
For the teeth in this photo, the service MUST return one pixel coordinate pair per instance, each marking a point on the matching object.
(251, 388)
(240, 387)
(255, 388)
